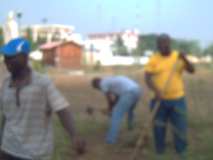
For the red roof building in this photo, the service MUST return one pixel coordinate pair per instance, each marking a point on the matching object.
(62, 54)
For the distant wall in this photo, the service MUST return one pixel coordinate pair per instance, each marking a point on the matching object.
(92, 59)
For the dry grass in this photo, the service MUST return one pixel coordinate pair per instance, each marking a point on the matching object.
(78, 91)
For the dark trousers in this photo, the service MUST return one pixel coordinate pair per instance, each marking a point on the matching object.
(6, 156)
(174, 111)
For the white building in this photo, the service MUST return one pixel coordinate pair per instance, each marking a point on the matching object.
(99, 48)
(51, 31)
(54, 32)
(130, 39)
(106, 40)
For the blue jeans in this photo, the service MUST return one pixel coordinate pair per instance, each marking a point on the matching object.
(174, 111)
(126, 104)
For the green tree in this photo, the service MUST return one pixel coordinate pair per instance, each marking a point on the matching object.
(209, 50)
(148, 42)
(119, 48)
(29, 36)
(145, 42)
(188, 46)
(41, 40)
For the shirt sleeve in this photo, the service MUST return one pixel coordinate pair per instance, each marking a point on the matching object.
(151, 66)
(55, 99)
(181, 66)
(105, 86)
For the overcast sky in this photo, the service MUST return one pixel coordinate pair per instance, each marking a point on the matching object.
(191, 19)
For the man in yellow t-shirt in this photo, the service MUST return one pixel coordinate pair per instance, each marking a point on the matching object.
(163, 75)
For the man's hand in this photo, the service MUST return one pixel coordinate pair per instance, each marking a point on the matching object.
(67, 120)
(79, 145)
(189, 66)
(182, 56)
(111, 100)
(158, 95)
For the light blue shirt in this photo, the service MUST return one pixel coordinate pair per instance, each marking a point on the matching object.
(118, 85)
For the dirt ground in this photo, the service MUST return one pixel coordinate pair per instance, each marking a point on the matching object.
(78, 91)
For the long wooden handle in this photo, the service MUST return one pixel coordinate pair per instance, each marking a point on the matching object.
(143, 138)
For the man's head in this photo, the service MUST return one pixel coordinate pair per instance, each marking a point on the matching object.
(15, 54)
(96, 82)
(163, 44)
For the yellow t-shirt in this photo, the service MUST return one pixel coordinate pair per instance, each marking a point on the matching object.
(161, 68)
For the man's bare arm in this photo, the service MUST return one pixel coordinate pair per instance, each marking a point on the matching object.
(111, 100)
(67, 121)
(189, 66)
(151, 85)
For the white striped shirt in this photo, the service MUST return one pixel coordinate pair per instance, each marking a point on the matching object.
(28, 131)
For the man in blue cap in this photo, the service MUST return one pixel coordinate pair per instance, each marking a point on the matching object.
(27, 101)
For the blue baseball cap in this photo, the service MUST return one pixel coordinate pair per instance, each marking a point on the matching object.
(15, 46)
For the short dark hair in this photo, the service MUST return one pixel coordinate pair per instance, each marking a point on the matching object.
(96, 82)
(164, 36)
